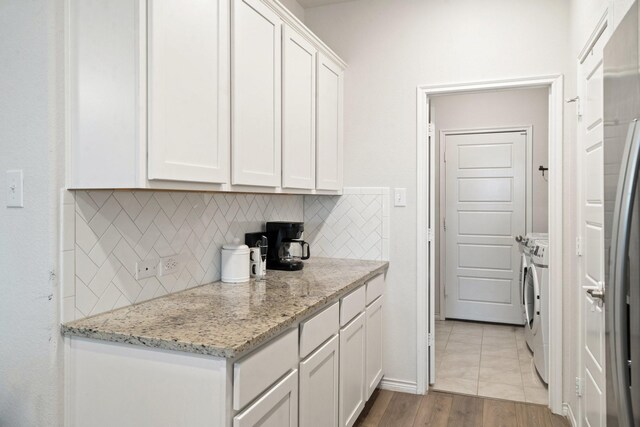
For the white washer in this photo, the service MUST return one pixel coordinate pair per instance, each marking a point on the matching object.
(527, 289)
(540, 325)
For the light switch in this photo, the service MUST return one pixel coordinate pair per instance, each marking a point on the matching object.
(14, 189)
(400, 197)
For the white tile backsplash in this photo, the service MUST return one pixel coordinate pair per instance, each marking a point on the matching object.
(104, 233)
(113, 230)
(354, 225)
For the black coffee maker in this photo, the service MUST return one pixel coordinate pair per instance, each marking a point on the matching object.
(281, 236)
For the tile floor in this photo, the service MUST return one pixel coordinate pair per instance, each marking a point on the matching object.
(486, 360)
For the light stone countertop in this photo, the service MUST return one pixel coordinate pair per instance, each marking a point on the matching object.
(229, 320)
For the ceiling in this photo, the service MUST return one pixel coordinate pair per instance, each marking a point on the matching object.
(315, 3)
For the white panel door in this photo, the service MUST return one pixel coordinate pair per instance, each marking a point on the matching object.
(485, 210)
(188, 72)
(329, 125)
(352, 374)
(256, 94)
(319, 386)
(373, 362)
(277, 407)
(591, 208)
(298, 111)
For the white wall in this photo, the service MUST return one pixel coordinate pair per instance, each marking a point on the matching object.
(294, 7)
(496, 109)
(30, 363)
(391, 47)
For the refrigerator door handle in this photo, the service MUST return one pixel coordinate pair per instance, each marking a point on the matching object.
(616, 311)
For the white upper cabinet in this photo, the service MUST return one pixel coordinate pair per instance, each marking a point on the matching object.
(200, 95)
(105, 106)
(256, 94)
(188, 84)
(298, 111)
(329, 125)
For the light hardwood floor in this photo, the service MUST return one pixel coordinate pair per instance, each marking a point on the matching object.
(438, 409)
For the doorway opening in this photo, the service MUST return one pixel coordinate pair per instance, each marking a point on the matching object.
(479, 178)
(486, 191)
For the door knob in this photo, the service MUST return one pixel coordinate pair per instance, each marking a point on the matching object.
(596, 293)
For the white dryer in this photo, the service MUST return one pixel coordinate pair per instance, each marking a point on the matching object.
(540, 322)
(527, 285)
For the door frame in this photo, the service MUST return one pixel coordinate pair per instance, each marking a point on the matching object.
(425, 206)
(441, 246)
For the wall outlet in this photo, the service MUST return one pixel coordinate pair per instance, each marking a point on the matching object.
(169, 265)
(146, 268)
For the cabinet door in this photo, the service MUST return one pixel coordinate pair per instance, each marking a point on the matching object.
(352, 355)
(373, 357)
(319, 386)
(329, 125)
(105, 93)
(188, 81)
(277, 407)
(256, 94)
(298, 111)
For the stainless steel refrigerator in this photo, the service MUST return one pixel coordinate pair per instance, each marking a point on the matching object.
(622, 221)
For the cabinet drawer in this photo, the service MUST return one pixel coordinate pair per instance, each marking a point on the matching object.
(318, 329)
(276, 407)
(258, 371)
(375, 287)
(352, 305)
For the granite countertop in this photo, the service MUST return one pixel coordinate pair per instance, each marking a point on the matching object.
(229, 320)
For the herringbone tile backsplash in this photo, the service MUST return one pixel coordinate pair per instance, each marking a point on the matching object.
(116, 229)
(354, 225)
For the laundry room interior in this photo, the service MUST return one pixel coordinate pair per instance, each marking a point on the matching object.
(492, 180)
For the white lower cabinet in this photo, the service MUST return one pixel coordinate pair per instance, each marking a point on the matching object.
(314, 374)
(373, 359)
(352, 371)
(277, 407)
(319, 386)
(250, 378)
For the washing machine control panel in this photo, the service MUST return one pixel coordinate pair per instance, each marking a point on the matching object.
(539, 253)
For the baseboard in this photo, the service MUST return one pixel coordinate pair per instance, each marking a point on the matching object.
(398, 385)
(566, 408)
